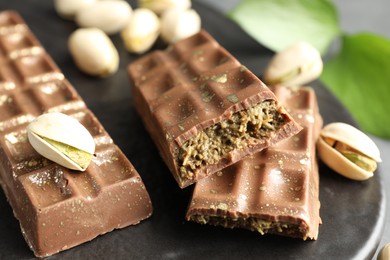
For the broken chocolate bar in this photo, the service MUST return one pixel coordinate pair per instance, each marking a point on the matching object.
(274, 191)
(57, 208)
(203, 109)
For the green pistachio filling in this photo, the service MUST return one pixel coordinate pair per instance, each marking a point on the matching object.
(356, 157)
(216, 141)
(78, 156)
(360, 160)
(255, 224)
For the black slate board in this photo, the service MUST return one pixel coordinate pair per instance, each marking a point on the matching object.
(352, 212)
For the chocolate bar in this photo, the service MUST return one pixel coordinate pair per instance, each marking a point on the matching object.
(57, 208)
(274, 191)
(204, 109)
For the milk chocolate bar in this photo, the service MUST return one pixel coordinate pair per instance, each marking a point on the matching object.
(57, 208)
(274, 191)
(204, 109)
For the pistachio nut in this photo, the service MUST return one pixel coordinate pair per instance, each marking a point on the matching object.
(296, 65)
(109, 16)
(177, 24)
(68, 8)
(384, 254)
(142, 31)
(159, 6)
(62, 139)
(93, 52)
(348, 151)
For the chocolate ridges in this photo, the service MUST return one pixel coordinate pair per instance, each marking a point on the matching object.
(57, 208)
(275, 191)
(203, 109)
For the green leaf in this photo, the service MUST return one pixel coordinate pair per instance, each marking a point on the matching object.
(278, 24)
(360, 77)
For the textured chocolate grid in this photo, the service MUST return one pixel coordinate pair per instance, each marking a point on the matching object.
(192, 85)
(57, 208)
(279, 184)
(181, 74)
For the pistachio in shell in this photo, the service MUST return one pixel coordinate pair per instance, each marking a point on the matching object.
(296, 65)
(348, 151)
(62, 139)
(384, 253)
(159, 6)
(93, 52)
(178, 24)
(142, 31)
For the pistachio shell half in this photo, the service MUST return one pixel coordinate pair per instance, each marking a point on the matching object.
(296, 65)
(62, 139)
(348, 151)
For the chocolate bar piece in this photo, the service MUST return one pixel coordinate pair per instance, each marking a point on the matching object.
(203, 109)
(274, 191)
(57, 208)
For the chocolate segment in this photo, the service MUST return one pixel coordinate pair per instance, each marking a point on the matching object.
(203, 109)
(274, 191)
(57, 208)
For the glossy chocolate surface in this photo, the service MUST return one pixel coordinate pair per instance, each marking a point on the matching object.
(344, 234)
(278, 186)
(194, 84)
(57, 208)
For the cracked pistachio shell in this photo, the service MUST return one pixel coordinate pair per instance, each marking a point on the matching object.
(68, 8)
(109, 16)
(59, 138)
(93, 52)
(159, 6)
(177, 24)
(142, 31)
(296, 65)
(353, 138)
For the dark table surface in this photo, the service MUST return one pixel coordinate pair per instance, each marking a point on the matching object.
(355, 17)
